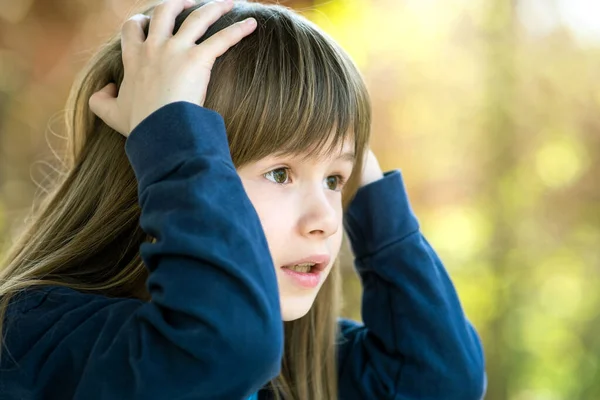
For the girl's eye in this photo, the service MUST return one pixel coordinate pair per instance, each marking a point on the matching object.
(279, 175)
(334, 182)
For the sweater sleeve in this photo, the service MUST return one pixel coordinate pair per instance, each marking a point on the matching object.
(416, 342)
(213, 328)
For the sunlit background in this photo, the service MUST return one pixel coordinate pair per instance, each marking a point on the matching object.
(490, 107)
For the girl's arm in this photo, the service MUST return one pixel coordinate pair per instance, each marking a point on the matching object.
(213, 328)
(416, 342)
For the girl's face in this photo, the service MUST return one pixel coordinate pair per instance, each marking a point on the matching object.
(299, 202)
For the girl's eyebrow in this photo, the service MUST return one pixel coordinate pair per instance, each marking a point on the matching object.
(347, 156)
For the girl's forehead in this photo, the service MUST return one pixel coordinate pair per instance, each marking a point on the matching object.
(343, 152)
(327, 152)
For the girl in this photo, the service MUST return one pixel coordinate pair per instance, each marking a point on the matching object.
(204, 203)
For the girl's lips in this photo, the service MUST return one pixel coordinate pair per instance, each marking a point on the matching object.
(305, 279)
(321, 262)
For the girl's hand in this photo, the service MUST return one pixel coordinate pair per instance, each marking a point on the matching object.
(371, 170)
(164, 68)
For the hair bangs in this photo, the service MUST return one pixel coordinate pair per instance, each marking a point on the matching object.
(319, 104)
(301, 95)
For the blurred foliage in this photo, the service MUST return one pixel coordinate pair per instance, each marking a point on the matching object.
(490, 108)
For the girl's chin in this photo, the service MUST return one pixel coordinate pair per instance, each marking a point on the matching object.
(296, 307)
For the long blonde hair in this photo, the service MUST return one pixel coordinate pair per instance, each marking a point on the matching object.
(285, 88)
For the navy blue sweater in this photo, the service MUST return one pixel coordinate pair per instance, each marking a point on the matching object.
(213, 328)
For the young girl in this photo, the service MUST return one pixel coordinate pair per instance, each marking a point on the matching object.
(215, 153)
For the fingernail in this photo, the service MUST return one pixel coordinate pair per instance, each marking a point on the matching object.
(250, 21)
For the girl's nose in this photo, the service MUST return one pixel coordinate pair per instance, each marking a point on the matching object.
(319, 216)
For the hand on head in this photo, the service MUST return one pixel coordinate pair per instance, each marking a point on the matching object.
(163, 68)
(371, 170)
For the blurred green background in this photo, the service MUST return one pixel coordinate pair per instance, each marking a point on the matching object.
(491, 109)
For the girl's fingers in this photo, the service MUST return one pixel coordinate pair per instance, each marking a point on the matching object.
(196, 24)
(103, 103)
(132, 34)
(163, 18)
(221, 41)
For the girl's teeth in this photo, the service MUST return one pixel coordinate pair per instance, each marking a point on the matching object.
(301, 267)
